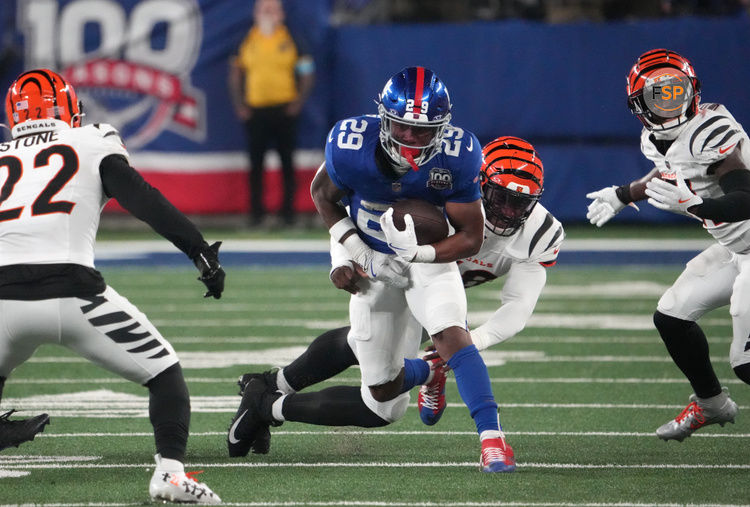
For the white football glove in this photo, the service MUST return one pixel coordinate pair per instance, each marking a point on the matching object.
(388, 269)
(377, 265)
(404, 243)
(605, 206)
(676, 198)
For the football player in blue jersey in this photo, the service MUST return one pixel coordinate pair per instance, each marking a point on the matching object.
(409, 150)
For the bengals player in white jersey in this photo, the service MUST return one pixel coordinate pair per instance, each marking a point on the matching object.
(56, 177)
(521, 240)
(701, 158)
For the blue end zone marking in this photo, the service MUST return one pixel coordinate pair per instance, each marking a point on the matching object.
(270, 259)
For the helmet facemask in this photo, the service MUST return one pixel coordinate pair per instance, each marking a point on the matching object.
(414, 109)
(507, 205)
(406, 154)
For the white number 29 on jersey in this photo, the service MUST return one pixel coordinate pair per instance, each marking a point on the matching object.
(350, 134)
(452, 138)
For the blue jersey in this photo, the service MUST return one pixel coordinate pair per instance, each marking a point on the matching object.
(450, 176)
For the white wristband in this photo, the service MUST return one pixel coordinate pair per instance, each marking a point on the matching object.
(340, 228)
(358, 249)
(425, 253)
(339, 257)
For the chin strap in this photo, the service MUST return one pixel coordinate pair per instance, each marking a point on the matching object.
(408, 154)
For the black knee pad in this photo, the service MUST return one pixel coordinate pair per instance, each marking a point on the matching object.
(743, 372)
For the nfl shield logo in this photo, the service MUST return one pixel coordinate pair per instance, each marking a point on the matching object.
(396, 186)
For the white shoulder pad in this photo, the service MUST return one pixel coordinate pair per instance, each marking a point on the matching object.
(539, 239)
(714, 135)
(106, 130)
(113, 143)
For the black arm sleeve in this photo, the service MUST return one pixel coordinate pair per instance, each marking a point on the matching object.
(734, 205)
(146, 203)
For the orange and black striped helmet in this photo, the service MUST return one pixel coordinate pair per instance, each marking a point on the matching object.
(663, 90)
(512, 180)
(42, 94)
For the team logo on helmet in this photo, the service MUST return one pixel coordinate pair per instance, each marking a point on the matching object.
(512, 181)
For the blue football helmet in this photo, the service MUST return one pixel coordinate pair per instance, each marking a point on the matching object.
(414, 109)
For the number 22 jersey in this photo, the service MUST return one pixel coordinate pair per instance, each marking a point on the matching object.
(52, 194)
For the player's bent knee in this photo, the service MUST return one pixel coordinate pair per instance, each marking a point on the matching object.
(391, 410)
(388, 391)
(743, 372)
(670, 327)
(170, 383)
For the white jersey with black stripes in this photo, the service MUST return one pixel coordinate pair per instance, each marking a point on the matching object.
(537, 241)
(53, 194)
(707, 139)
(522, 260)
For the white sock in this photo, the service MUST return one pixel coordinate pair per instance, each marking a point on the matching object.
(491, 434)
(168, 465)
(281, 383)
(714, 402)
(276, 408)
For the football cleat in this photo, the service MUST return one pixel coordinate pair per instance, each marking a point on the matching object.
(14, 433)
(269, 377)
(262, 444)
(431, 399)
(497, 456)
(694, 417)
(249, 427)
(178, 486)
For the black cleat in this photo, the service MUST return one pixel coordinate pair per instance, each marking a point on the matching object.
(262, 442)
(268, 377)
(249, 428)
(14, 433)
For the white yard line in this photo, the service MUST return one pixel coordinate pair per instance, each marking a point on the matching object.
(382, 464)
(262, 357)
(350, 380)
(378, 503)
(425, 433)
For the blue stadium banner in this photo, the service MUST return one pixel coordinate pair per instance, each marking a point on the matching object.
(157, 70)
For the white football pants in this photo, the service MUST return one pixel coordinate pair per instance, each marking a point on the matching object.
(714, 278)
(105, 329)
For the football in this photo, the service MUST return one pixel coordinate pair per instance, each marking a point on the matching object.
(429, 221)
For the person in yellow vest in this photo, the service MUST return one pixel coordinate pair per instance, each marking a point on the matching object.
(270, 78)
